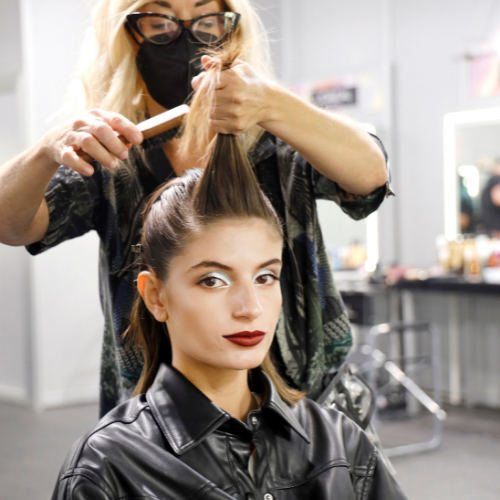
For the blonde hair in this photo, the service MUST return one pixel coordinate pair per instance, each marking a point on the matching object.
(108, 78)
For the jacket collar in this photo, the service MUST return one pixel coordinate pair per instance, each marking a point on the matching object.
(274, 402)
(186, 416)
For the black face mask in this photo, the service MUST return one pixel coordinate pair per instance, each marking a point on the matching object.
(167, 70)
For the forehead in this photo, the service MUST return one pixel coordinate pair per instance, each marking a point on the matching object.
(161, 6)
(239, 244)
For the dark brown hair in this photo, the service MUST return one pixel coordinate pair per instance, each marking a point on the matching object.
(226, 189)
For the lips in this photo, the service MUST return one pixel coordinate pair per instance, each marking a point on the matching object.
(246, 339)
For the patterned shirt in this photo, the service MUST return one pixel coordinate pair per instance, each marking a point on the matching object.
(313, 333)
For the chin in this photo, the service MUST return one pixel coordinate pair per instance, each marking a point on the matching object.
(242, 361)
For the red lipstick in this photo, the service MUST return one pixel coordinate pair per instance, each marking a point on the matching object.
(246, 339)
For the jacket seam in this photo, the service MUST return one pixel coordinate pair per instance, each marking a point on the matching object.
(137, 497)
(359, 470)
(369, 473)
(292, 483)
(68, 477)
(231, 464)
(71, 471)
(203, 490)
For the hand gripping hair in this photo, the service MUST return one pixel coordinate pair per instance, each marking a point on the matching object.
(225, 189)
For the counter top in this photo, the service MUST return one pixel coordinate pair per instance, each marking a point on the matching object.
(449, 285)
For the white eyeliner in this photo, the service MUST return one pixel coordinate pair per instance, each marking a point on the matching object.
(220, 276)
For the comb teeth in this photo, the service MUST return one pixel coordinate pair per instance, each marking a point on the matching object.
(157, 141)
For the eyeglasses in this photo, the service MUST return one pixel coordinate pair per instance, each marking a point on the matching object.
(161, 29)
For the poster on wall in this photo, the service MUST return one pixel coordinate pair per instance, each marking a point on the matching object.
(358, 96)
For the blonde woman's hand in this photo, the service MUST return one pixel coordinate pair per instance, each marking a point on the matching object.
(242, 99)
(96, 133)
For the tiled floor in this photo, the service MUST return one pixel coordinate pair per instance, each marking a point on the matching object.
(34, 445)
(465, 468)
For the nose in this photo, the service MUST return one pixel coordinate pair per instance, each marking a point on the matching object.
(246, 303)
(184, 11)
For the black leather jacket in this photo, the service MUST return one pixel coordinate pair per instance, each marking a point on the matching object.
(174, 443)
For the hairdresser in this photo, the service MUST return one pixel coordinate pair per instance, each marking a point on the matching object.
(141, 59)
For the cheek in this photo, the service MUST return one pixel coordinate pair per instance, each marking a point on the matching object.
(194, 314)
(273, 302)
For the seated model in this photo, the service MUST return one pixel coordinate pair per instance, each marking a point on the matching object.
(211, 418)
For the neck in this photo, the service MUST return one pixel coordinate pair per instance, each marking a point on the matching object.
(228, 389)
(171, 148)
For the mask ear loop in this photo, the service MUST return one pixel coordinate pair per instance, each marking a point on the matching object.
(131, 33)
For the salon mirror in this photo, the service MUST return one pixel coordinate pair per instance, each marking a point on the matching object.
(472, 172)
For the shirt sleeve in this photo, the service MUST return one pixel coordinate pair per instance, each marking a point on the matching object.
(356, 206)
(74, 202)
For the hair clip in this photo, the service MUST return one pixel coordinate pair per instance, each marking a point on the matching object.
(136, 248)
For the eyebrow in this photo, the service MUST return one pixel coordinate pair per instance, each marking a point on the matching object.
(213, 263)
(169, 6)
(203, 2)
(163, 4)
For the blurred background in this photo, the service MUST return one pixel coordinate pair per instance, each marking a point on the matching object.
(421, 278)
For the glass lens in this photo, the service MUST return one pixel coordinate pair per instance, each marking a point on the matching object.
(158, 29)
(211, 29)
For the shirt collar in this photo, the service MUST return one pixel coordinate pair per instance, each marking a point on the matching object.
(186, 416)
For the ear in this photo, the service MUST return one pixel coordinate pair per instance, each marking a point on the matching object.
(150, 288)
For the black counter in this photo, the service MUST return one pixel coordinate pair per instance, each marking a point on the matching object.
(448, 285)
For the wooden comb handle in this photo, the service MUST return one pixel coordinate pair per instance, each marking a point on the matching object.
(151, 127)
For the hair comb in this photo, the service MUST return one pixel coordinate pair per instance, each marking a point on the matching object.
(153, 126)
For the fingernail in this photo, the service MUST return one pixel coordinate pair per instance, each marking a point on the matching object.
(88, 171)
(124, 155)
(137, 137)
(113, 164)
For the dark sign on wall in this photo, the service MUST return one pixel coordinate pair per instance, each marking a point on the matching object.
(334, 97)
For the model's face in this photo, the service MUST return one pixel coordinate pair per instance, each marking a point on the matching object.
(183, 9)
(225, 283)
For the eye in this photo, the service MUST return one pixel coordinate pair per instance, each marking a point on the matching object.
(266, 278)
(214, 281)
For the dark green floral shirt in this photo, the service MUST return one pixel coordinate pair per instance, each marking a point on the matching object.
(313, 333)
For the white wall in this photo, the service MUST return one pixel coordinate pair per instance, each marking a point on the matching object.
(428, 85)
(67, 323)
(10, 44)
(326, 39)
(14, 324)
(14, 264)
(67, 320)
(419, 43)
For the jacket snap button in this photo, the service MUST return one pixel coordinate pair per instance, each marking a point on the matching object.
(254, 422)
(268, 496)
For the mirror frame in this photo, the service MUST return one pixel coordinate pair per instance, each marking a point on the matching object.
(450, 122)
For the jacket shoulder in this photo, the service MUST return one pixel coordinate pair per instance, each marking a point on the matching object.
(334, 426)
(124, 423)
